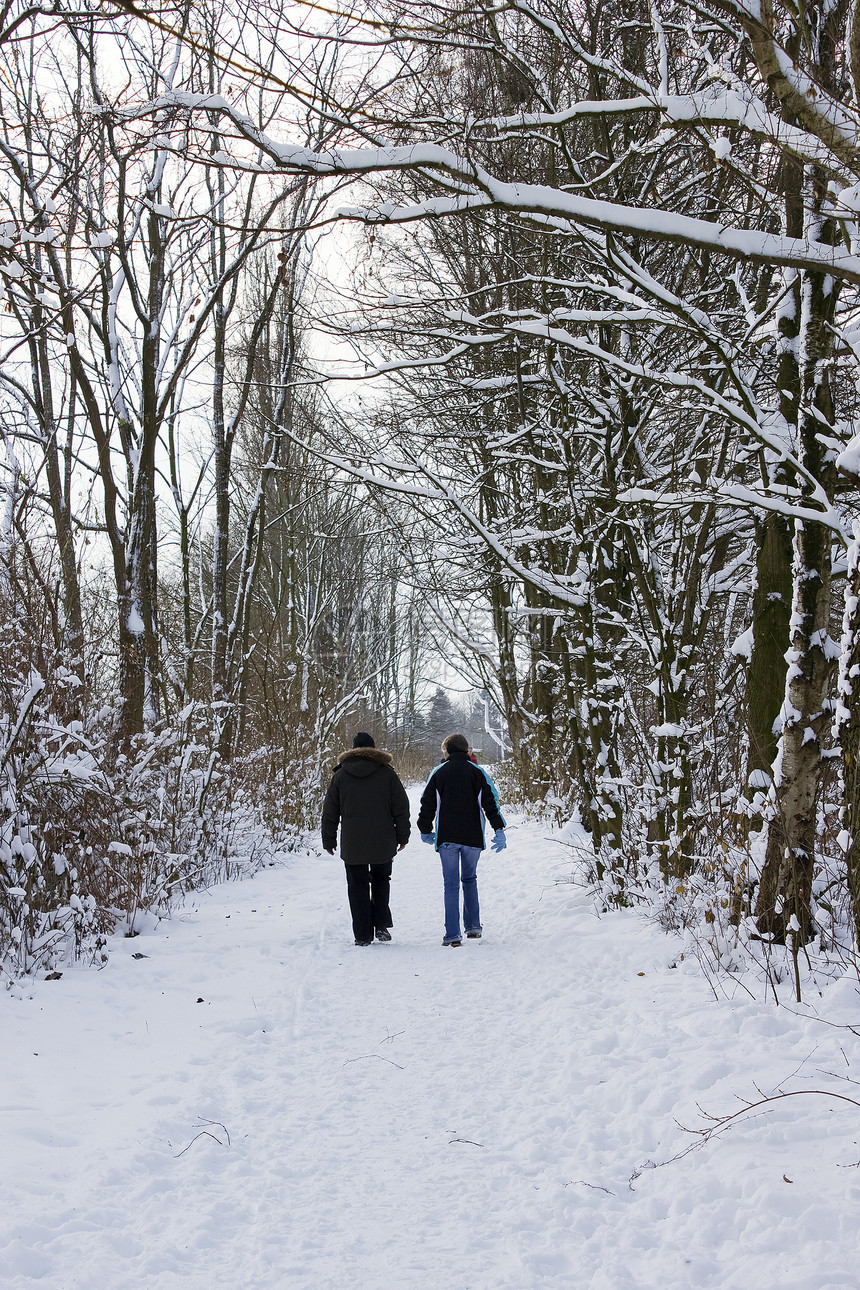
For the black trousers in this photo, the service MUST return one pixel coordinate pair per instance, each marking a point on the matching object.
(369, 888)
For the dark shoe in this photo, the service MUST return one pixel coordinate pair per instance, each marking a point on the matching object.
(453, 944)
(473, 936)
(364, 942)
(383, 934)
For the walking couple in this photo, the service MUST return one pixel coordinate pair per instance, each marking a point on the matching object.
(368, 801)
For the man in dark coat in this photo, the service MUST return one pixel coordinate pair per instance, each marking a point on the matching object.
(369, 802)
(460, 794)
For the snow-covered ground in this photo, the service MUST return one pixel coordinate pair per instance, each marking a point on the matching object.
(243, 1099)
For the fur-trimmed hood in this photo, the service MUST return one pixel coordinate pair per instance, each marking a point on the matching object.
(363, 761)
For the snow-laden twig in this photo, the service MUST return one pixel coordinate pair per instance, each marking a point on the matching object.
(35, 688)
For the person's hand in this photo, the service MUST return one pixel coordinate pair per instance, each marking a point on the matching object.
(329, 851)
(429, 838)
(499, 842)
(402, 845)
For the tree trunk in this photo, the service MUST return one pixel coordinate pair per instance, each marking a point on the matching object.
(73, 626)
(786, 883)
(139, 659)
(785, 889)
(848, 726)
(765, 681)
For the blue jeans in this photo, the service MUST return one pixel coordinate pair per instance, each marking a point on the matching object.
(460, 864)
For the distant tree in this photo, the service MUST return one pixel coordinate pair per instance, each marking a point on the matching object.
(443, 718)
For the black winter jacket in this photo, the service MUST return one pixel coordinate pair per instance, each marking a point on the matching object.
(461, 794)
(369, 802)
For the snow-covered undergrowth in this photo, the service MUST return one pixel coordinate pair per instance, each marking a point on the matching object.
(709, 914)
(92, 842)
(243, 1099)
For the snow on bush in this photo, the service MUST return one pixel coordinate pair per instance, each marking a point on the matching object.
(91, 841)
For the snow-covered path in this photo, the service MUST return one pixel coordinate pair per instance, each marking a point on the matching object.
(259, 1104)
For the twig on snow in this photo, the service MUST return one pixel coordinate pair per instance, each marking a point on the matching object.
(367, 1057)
(822, 1021)
(721, 1123)
(204, 1133)
(580, 1182)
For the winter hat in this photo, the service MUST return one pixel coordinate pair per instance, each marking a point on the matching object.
(363, 740)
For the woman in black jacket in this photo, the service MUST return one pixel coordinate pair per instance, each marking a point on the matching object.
(460, 795)
(369, 802)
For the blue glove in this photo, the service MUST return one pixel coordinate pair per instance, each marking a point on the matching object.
(429, 838)
(499, 841)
